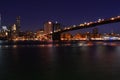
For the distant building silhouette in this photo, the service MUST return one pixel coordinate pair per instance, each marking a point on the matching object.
(95, 31)
(57, 26)
(18, 26)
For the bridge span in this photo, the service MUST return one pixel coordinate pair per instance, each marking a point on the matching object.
(56, 34)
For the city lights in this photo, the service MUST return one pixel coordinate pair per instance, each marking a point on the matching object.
(50, 30)
(50, 22)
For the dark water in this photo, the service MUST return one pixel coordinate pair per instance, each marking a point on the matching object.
(82, 61)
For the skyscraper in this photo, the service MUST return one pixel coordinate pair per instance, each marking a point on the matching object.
(48, 27)
(18, 25)
(15, 29)
(0, 21)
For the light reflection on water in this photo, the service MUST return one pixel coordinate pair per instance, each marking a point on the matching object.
(78, 44)
(82, 61)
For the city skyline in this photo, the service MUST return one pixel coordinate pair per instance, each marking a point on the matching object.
(35, 13)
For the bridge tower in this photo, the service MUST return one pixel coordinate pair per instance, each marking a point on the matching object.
(56, 36)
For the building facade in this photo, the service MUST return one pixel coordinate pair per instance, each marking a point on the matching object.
(50, 27)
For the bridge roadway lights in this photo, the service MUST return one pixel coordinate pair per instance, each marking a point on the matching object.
(56, 36)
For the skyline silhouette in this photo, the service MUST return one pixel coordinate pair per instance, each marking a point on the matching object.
(35, 13)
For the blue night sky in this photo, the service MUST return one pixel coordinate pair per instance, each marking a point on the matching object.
(68, 12)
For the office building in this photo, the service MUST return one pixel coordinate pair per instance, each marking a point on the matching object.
(18, 25)
(48, 27)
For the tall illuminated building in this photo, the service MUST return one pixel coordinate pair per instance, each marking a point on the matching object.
(0, 21)
(13, 33)
(15, 29)
(18, 25)
(48, 27)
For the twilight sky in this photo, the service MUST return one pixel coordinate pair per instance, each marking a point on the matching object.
(68, 12)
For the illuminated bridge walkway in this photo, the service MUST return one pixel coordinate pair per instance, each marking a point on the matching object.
(56, 34)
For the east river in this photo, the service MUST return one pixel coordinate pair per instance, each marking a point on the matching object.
(80, 61)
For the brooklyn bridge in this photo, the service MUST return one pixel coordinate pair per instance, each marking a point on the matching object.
(56, 33)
